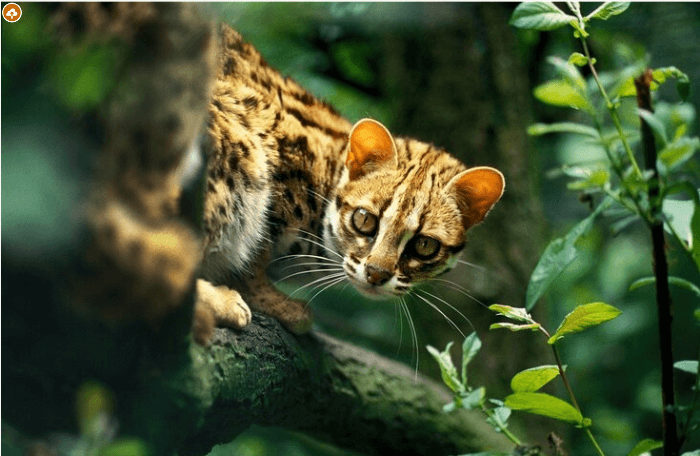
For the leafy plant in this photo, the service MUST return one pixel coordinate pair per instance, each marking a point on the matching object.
(629, 191)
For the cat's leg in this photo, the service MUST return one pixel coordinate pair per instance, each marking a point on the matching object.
(295, 315)
(218, 306)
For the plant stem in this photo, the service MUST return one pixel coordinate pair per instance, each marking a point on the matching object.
(613, 110)
(569, 390)
(663, 294)
(512, 437)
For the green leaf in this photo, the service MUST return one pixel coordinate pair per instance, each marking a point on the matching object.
(695, 238)
(514, 313)
(691, 453)
(499, 419)
(608, 10)
(584, 317)
(513, 327)
(546, 405)
(569, 72)
(473, 399)
(530, 380)
(683, 81)
(470, 347)
(562, 127)
(92, 400)
(125, 447)
(679, 216)
(578, 59)
(676, 281)
(447, 368)
(557, 256)
(561, 93)
(689, 366)
(645, 446)
(595, 180)
(657, 127)
(539, 16)
(678, 152)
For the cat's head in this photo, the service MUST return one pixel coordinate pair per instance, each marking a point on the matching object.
(402, 210)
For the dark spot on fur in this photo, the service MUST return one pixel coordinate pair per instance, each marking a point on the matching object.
(311, 198)
(233, 162)
(229, 66)
(230, 183)
(222, 210)
(135, 250)
(250, 102)
(310, 123)
(298, 213)
(351, 268)
(295, 249)
(304, 97)
(288, 195)
(210, 187)
(266, 84)
(338, 202)
(295, 147)
(217, 104)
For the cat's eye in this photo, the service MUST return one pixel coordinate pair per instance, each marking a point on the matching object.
(425, 247)
(364, 222)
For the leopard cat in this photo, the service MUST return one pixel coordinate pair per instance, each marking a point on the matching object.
(288, 176)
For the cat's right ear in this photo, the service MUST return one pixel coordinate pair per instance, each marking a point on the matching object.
(371, 146)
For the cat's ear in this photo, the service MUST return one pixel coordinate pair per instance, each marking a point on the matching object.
(476, 191)
(370, 146)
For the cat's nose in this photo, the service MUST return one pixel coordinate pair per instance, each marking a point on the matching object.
(377, 276)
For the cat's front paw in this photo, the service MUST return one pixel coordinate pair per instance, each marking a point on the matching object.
(227, 305)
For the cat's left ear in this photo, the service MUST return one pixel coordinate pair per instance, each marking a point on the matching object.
(476, 191)
(370, 146)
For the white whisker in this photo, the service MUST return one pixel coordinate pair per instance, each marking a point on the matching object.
(476, 266)
(324, 247)
(460, 289)
(335, 282)
(451, 307)
(414, 334)
(310, 271)
(293, 256)
(328, 277)
(441, 313)
(300, 265)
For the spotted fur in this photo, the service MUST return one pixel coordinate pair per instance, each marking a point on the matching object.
(286, 173)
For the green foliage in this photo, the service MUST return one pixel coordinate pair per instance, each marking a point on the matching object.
(584, 317)
(545, 405)
(645, 446)
(530, 380)
(629, 192)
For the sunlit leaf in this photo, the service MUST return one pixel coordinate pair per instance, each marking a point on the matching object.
(560, 93)
(539, 16)
(562, 127)
(645, 446)
(447, 368)
(125, 447)
(544, 404)
(470, 347)
(515, 327)
(530, 380)
(678, 152)
(499, 418)
(557, 256)
(596, 179)
(578, 59)
(608, 10)
(569, 72)
(514, 313)
(583, 317)
(689, 366)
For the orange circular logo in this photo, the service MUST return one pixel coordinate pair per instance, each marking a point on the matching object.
(11, 12)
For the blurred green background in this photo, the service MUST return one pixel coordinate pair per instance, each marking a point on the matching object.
(336, 51)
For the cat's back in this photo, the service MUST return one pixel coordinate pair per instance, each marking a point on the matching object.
(272, 145)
